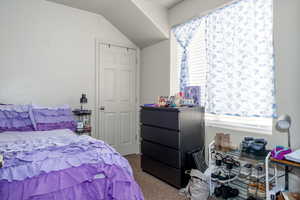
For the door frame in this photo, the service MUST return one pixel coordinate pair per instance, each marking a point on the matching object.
(99, 42)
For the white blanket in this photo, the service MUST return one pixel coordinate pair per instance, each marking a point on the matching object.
(11, 136)
(294, 156)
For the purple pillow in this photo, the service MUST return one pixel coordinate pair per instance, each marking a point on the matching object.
(46, 118)
(15, 118)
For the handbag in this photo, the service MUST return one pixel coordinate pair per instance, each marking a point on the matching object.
(197, 188)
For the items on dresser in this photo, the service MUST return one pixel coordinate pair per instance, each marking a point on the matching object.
(83, 121)
(170, 101)
(190, 97)
(168, 134)
(192, 93)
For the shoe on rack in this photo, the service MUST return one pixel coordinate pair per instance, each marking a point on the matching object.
(246, 170)
(257, 173)
(257, 190)
(226, 192)
(219, 159)
(221, 176)
(252, 189)
(226, 178)
(215, 175)
(230, 162)
(261, 192)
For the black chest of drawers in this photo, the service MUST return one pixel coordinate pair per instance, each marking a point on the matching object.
(168, 134)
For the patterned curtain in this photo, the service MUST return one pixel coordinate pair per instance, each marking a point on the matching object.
(184, 34)
(240, 81)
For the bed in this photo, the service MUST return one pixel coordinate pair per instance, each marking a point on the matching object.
(60, 165)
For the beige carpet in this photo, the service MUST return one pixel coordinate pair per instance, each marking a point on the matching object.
(153, 188)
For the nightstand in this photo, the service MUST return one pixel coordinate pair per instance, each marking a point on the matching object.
(83, 118)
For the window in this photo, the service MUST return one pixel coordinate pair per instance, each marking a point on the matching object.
(197, 61)
(198, 68)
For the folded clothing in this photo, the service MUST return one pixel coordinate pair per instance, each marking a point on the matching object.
(279, 152)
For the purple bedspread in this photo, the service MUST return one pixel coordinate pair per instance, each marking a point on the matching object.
(59, 165)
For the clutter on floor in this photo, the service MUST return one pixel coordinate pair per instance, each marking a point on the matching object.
(197, 188)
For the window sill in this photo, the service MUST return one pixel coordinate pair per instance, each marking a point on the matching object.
(239, 127)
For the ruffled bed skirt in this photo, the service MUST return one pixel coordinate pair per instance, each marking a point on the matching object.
(76, 183)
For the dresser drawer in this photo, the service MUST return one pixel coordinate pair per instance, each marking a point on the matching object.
(160, 118)
(164, 172)
(161, 153)
(166, 137)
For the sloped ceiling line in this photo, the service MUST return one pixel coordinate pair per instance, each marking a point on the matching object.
(142, 21)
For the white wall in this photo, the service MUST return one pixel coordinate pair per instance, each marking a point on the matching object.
(155, 72)
(287, 48)
(47, 52)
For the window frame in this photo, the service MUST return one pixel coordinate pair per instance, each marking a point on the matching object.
(212, 120)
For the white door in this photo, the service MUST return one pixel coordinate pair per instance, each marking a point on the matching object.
(117, 98)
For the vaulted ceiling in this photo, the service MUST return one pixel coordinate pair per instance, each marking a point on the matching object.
(166, 3)
(144, 22)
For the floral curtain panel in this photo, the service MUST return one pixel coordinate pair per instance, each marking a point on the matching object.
(240, 81)
(184, 34)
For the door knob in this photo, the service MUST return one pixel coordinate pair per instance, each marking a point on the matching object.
(102, 108)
